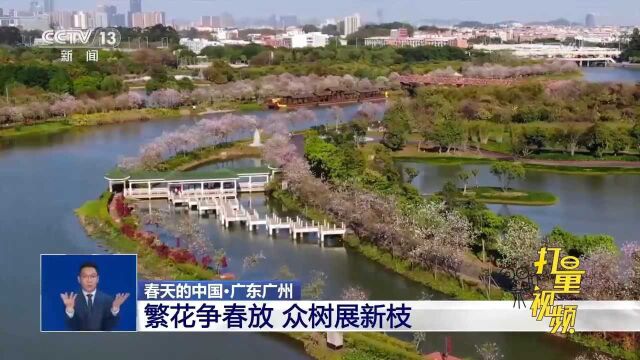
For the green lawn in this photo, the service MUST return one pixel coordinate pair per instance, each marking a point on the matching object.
(495, 195)
(35, 129)
(412, 154)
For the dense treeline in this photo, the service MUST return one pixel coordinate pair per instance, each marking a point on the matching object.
(370, 30)
(37, 73)
(239, 92)
(524, 119)
(375, 56)
(632, 50)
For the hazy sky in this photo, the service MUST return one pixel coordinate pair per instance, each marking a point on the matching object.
(625, 12)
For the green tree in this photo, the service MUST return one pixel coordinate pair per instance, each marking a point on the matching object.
(310, 28)
(185, 84)
(330, 30)
(358, 130)
(153, 85)
(568, 137)
(220, 72)
(634, 133)
(448, 133)
(10, 35)
(620, 140)
(578, 245)
(450, 194)
(60, 83)
(411, 173)
(536, 137)
(330, 161)
(506, 172)
(519, 143)
(112, 84)
(86, 85)
(397, 122)
(597, 139)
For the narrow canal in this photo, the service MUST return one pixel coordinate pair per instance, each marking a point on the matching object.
(45, 178)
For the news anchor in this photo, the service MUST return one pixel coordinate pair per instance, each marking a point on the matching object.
(91, 309)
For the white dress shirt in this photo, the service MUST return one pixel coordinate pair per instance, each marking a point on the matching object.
(71, 312)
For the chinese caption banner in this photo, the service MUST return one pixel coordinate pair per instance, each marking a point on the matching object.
(268, 306)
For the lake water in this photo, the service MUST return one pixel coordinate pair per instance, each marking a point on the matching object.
(611, 74)
(45, 178)
(586, 203)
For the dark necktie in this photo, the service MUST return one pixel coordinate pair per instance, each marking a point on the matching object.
(89, 301)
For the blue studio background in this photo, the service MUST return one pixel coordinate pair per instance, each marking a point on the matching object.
(59, 274)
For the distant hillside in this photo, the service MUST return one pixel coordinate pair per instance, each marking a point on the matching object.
(556, 22)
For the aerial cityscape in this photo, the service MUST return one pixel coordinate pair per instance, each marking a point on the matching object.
(346, 180)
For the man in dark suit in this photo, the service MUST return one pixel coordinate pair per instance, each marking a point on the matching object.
(91, 310)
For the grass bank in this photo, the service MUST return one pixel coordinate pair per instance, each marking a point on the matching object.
(602, 345)
(454, 159)
(94, 217)
(495, 195)
(59, 124)
(36, 129)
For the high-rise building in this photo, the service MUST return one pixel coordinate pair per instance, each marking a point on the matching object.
(34, 8)
(135, 6)
(100, 19)
(590, 20)
(49, 6)
(118, 20)
(205, 21)
(226, 20)
(147, 19)
(62, 19)
(111, 11)
(288, 20)
(351, 24)
(82, 20)
(216, 22)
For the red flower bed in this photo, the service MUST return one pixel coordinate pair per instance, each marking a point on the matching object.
(128, 230)
(181, 256)
(121, 207)
(148, 238)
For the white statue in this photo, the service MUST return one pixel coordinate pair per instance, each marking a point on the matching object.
(256, 138)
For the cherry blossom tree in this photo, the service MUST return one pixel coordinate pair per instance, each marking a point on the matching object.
(165, 98)
(520, 243)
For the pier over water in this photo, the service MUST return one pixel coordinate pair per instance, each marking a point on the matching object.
(216, 192)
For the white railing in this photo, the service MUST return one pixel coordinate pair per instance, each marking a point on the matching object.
(146, 192)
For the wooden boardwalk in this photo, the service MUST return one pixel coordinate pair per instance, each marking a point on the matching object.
(229, 210)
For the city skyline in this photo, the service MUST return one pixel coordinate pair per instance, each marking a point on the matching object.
(615, 12)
